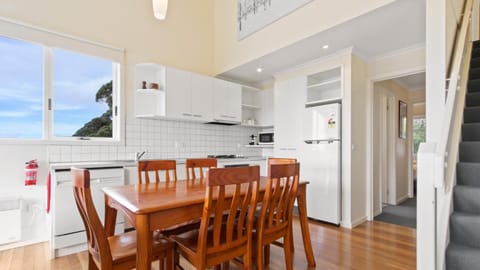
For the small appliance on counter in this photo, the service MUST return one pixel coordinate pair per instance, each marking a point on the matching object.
(252, 140)
(265, 138)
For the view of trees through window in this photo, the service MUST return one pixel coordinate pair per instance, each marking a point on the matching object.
(419, 125)
(80, 102)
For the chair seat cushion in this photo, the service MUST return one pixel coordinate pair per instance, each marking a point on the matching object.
(124, 246)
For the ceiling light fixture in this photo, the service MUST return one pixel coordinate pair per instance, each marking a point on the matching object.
(259, 69)
(160, 9)
(325, 47)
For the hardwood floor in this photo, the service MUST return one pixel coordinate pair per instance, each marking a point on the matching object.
(372, 245)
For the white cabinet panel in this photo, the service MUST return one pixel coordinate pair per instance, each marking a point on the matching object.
(227, 101)
(289, 100)
(266, 115)
(201, 97)
(178, 97)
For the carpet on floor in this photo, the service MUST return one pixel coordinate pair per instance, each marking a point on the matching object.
(404, 214)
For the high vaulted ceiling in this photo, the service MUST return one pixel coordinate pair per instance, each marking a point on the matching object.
(394, 27)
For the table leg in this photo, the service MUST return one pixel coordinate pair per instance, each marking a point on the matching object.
(302, 214)
(110, 218)
(144, 243)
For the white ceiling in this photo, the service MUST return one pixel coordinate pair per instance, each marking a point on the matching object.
(413, 82)
(393, 27)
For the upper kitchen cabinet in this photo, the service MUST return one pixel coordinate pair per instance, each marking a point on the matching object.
(149, 90)
(324, 87)
(172, 93)
(257, 107)
(188, 95)
(227, 101)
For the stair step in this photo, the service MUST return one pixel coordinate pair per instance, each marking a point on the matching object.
(474, 85)
(472, 99)
(475, 62)
(469, 152)
(459, 257)
(475, 52)
(474, 73)
(466, 199)
(464, 229)
(471, 114)
(471, 132)
(468, 174)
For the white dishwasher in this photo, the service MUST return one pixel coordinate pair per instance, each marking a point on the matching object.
(67, 229)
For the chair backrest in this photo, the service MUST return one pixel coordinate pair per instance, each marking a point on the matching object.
(233, 191)
(98, 245)
(277, 161)
(156, 166)
(201, 164)
(277, 204)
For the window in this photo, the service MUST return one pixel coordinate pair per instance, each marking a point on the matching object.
(21, 89)
(57, 93)
(82, 91)
(419, 125)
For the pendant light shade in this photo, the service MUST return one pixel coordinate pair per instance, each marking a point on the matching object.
(160, 9)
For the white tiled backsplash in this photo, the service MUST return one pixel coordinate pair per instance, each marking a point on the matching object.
(162, 139)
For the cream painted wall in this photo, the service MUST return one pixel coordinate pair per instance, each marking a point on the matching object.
(359, 139)
(407, 61)
(304, 22)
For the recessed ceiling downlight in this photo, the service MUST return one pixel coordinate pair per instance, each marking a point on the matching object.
(259, 69)
(325, 47)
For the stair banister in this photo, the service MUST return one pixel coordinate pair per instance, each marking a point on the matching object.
(436, 160)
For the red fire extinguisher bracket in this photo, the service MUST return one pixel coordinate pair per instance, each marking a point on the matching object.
(31, 172)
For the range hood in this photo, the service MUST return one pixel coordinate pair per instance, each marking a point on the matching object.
(223, 122)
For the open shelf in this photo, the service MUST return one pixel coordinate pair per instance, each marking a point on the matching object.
(324, 87)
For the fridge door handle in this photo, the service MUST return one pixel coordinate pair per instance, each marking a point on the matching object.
(308, 141)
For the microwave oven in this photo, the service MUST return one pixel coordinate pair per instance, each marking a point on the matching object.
(265, 138)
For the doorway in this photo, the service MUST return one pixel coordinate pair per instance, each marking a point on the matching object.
(394, 161)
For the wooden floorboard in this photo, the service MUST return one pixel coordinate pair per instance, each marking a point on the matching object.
(372, 245)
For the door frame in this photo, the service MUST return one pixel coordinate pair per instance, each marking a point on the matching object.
(370, 142)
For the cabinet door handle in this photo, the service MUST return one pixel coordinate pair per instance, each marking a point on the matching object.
(186, 114)
(197, 115)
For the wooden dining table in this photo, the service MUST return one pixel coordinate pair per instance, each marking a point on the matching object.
(153, 206)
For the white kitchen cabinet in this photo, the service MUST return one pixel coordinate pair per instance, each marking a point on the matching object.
(178, 99)
(257, 107)
(188, 95)
(289, 100)
(201, 97)
(324, 87)
(149, 102)
(265, 117)
(227, 101)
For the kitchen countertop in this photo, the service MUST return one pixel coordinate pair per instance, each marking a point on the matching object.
(132, 163)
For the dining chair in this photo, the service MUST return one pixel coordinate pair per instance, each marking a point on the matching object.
(200, 164)
(217, 241)
(145, 167)
(276, 161)
(114, 252)
(275, 218)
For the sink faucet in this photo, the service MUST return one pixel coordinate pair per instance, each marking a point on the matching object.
(139, 155)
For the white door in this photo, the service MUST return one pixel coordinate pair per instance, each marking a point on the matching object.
(178, 100)
(201, 97)
(289, 101)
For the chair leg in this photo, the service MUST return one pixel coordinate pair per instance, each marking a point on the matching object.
(266, 254)
(260, 255)
(226, 265)
(288, 251)
(292, 246)
(169, 261)
(161, 263)
(91, 263)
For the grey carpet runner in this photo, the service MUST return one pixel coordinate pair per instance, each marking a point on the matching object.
(404, 214)
(463, 252)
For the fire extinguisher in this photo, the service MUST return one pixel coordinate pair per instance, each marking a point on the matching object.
(31, 170)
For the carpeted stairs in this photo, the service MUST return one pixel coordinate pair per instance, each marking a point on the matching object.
(463, 252)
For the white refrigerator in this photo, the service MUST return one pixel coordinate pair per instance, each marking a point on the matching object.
(320, 161)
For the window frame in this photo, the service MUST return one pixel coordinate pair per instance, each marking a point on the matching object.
(49, 41)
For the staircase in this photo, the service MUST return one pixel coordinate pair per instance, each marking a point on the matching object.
(463, 252)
